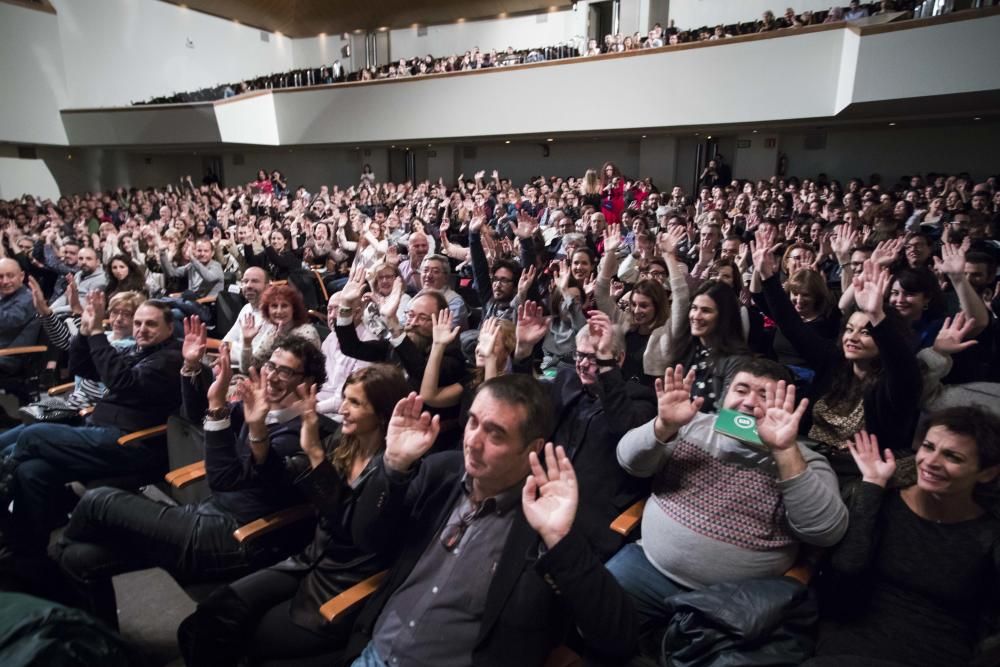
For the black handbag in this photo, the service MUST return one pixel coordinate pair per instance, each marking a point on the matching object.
(50, 410)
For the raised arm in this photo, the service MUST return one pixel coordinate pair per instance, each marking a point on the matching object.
(952, 263)
(431, 392)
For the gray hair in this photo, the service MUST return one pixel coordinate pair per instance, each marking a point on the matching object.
(617, 339)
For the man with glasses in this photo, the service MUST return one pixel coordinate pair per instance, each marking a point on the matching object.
(409, 344)
(434, 275)
(491, 568)
(596, 405)
(252, 459)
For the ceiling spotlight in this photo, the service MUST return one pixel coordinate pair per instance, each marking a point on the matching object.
(755, 131)
(502, 15)
(977, 118)
(892, 124)
(383, 28)
(507, 142)
(644, 136)
(428, 145)
(321, 35)
(709, 136)
(460, 20)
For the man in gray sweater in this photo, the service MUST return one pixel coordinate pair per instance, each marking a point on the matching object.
(204, 274)
(723, 509)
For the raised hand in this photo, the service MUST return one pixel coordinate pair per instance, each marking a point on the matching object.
(844, 239)
(444, 332)
(355, 287)
(410, 433)
(525, 281)
(706, 251)
(526, 226)
(249, 327)
(253, 393)
(476, 222)
(763, 260)
(532, 325)
(219, 389)
(38, 297)
(390, 305)
(671, 239)
(951, 337)
(951, 262)
(488, 333)
(602, 329)
(886, 252)
(305, 406)
(869, 291)
(612, 239)
(674, 405)
(195, 342)
(550, 496)
(874, 469)
(778, 419)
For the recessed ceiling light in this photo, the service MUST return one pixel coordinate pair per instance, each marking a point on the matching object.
(460, 20)
(977, 118)
(428, 145)
(709, 136)
(755, 131)
(507, 142)
(550, 139)
(892, 124)
(644, 136)
(322, 34)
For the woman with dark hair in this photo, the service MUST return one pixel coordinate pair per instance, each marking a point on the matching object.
(712, 341)
(263, 183)
(284, 312)
(123, 276)
(868, 378)
(914, 581)
(915, 295)
(494, 349)
(274, 613)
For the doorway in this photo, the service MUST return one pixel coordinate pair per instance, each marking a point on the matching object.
(600, 20)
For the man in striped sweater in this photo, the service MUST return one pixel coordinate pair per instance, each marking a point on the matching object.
(723, 510)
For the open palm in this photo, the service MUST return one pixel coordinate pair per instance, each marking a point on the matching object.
(410, 433)
(550, 496)
(778, 419)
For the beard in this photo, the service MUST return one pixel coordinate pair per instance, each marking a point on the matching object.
(422, 342)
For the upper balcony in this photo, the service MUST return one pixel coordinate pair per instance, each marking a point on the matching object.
(920, 67)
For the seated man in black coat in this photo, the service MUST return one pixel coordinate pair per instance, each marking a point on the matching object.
(409, 344)
(490, 570)
(595, 406)
(142, 392)
(252, 457)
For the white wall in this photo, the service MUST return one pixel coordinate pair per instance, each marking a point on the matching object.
(520, 161)
(758, 160)
(691, 14)
(319, 51)
(31, 77)
(892, 152)
(118, 51)
(21, 177)
(520, 32)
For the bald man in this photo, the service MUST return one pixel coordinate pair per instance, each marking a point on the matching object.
(18, 324)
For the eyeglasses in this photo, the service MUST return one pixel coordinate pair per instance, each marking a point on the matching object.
(281, 372)
(585, 356)
(453, 533)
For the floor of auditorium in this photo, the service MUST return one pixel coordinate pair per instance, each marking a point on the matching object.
(150, 607)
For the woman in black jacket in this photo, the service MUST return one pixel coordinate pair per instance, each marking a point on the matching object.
(274, 613)
(868, 378)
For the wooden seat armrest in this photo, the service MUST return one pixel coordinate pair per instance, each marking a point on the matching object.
(207, 299)
(142, 435)
(213, 344)
(185, 475)
(337, 607)
(266, 524)
(801, 572)
(26, 349)
(61, 388)
(322, 285)
(628, 520)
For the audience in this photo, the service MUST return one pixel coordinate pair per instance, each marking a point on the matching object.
(474, 59)
(655, 337)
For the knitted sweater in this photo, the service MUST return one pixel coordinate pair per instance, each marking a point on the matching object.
(719, 512)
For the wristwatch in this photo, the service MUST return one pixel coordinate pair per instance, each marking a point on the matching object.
(217, 414)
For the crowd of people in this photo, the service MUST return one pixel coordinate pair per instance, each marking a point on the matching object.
(475, 59)
(470, 380)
